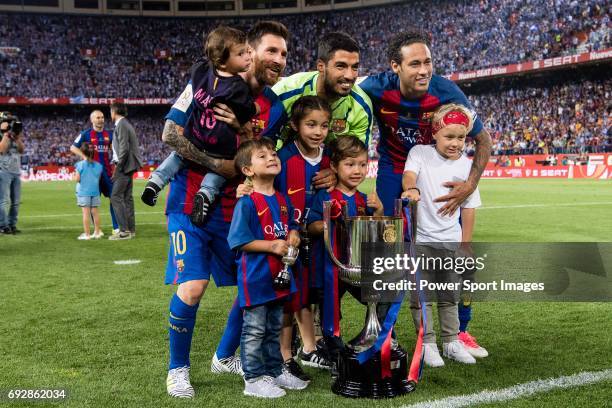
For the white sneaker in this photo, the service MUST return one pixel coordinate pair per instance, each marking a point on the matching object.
(263, 387)
(84, 237)
(98, 235)
(115, 231)
(289, 381)
(455, 350)
(178, 384)
(432, 355)
(231, 365)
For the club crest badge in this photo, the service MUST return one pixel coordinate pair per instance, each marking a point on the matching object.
(338, 125)
(389, 234)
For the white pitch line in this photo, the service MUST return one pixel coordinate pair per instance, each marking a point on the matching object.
(76, 227)
(517, 391)
(128, 262)
(79, 214)
(498, 207)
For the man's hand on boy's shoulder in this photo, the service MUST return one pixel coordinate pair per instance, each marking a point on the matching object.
(459, 193)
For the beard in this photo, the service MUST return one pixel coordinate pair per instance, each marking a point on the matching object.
(330, 88)
(261, 74)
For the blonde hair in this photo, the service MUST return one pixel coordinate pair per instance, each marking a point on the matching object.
(443, 110)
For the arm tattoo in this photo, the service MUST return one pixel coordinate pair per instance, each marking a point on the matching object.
(173, 137)
(481, 157)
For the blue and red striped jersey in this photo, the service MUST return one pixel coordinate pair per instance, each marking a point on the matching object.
(101, 141)
(404, 123)
(260, 217)
(295, 178)
(186, 183)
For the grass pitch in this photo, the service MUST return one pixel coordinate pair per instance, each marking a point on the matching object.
(72, 318)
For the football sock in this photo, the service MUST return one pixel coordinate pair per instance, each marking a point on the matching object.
(231, 336)
(113, 218)
(181, 322)
(465, 315)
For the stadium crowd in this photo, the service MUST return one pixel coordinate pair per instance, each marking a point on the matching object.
(126, 60)
(569, 118)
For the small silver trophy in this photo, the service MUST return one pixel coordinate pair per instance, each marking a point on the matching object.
(283, 279)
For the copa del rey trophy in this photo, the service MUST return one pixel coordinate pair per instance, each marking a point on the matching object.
(356, 379)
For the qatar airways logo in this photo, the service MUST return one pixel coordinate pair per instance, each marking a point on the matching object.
(279, 229)
(409, 136)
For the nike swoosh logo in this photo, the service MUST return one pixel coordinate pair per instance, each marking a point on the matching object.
(386, 112)
(291, 191)
(260, 213)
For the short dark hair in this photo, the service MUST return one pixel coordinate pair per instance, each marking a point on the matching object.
(266, 27)
(346, 146)
(245, 151)
(307, 104)
(333, 42)
(403, 39)
(119, 108)
(219, 42)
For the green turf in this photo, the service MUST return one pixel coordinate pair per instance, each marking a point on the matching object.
(74, 319)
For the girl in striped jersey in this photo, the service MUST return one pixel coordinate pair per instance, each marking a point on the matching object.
(302, 157)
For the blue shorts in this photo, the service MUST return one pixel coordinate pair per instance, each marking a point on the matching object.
(106, 185)
(196, 253)
(388, 188)
(88, 201)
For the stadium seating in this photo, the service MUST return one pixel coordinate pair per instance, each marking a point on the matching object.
(123, 62)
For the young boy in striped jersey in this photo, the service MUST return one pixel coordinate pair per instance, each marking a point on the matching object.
(263, 227)
(349, 160)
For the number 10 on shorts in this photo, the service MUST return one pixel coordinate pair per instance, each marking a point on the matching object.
(179, 242)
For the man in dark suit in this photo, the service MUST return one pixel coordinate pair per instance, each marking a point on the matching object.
(127, 159)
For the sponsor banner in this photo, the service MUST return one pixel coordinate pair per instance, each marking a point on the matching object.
(22, 100)
(529, 66)
(563, 159)
(65, 173)
(592, 171)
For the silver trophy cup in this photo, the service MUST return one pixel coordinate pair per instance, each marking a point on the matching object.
(354, 379)
(283, 279)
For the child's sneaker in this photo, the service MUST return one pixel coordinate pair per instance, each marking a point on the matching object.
(295, 369)
(84, 237)
(290, 381)
(150, 194)
(314, 359)
(432, 355)
(177, 383)
(455, 350)
(231, 365)
(472, 346)
(98, 235)
(263, 387)
(201, 206)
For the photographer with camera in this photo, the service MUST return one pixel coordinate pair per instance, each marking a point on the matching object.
(11, 148)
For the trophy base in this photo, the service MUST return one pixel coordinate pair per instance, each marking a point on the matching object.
(357, 380)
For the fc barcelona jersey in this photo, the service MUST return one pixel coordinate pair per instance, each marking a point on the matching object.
(260, 217)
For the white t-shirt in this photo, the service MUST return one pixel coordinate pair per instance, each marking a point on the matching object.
(432, 172)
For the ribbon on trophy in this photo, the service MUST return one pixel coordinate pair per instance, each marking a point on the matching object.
(383, 342)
